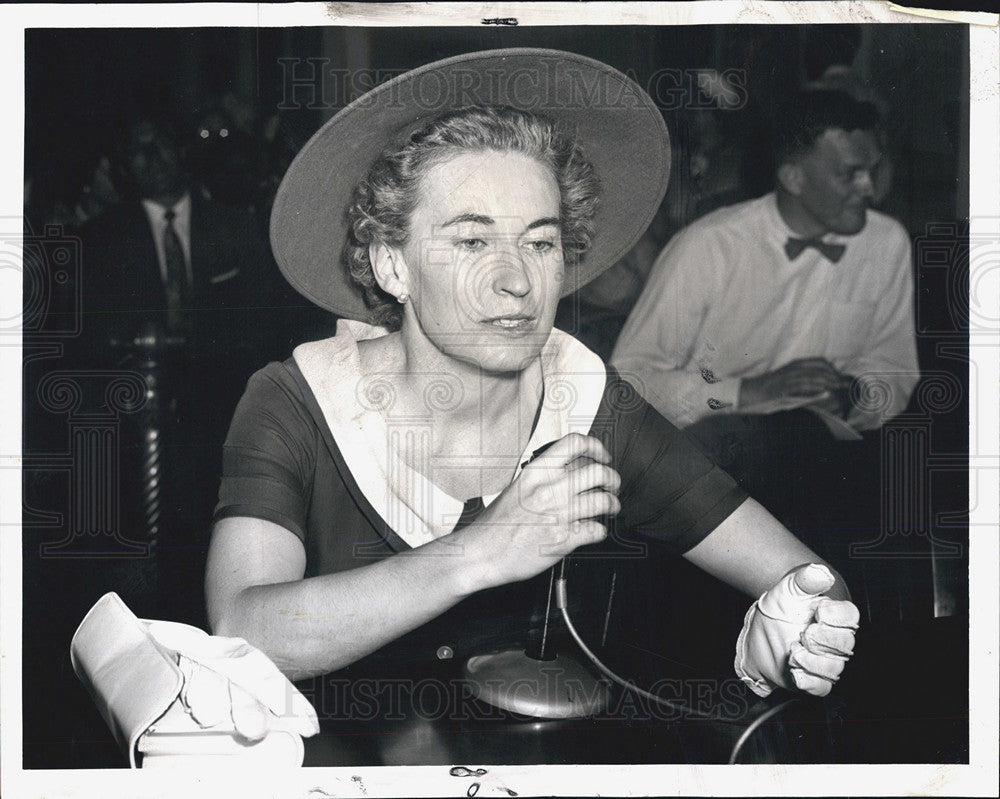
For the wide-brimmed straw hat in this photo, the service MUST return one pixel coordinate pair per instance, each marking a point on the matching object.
(619, 127)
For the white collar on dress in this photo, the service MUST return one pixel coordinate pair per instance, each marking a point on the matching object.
(355, 409)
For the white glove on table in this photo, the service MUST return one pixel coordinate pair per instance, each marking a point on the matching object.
(794, 637)
(173, 692)
(228, 682)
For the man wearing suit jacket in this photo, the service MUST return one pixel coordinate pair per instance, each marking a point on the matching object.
(182, 289)
(173, 262)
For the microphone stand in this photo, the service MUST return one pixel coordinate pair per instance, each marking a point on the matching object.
(537, 681)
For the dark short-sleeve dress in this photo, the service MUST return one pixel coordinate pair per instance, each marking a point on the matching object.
(281, 464)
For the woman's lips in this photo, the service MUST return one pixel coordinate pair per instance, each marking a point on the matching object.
(512, 324)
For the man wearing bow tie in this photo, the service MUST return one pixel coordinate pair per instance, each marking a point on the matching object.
(773, 327)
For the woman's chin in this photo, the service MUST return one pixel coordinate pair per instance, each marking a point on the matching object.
(511, 357)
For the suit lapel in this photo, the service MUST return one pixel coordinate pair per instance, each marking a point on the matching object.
(142, 265)
(201, 252)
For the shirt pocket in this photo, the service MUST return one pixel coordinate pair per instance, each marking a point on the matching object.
(849, 329)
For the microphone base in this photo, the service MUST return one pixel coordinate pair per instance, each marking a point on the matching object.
(560, 688)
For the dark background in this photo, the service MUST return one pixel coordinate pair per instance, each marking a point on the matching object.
(81, 85)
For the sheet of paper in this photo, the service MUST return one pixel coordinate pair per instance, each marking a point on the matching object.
(839, 429)
(784, 404)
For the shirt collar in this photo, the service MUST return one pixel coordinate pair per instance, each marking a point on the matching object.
(785, 232)
(181, 208)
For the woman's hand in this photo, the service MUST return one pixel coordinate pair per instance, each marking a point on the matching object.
(795, 637)
(553, 507)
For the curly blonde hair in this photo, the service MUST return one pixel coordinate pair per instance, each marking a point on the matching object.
(384, 200)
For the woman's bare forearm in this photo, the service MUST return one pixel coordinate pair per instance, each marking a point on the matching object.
(320, 624)
(751, 551)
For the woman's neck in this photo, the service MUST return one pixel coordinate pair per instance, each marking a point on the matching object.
(460, 393)
(472, 390)
(471, 411)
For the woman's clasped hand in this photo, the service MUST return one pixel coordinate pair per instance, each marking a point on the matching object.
(554, 505)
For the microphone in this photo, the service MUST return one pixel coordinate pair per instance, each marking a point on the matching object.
(538, 681)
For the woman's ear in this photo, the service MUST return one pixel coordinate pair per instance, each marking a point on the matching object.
(389, 267)
(791, 178)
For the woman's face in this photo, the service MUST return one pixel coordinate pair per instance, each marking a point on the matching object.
(484, 260)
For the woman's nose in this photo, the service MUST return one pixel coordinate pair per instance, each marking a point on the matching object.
(510, 275)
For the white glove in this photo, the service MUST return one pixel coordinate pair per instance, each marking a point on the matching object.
(794, 637)
(230, 683)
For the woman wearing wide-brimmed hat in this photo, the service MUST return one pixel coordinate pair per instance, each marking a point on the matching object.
(379, 479)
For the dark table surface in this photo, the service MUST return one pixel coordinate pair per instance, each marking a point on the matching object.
(888, 708)
(904, 699)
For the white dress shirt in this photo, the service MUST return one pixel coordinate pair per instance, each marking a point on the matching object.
(182, 225)
(724, 302)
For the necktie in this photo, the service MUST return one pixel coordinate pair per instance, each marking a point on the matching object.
(832, 252)
(176, 276)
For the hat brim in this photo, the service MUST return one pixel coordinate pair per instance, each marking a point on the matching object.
(619, 127)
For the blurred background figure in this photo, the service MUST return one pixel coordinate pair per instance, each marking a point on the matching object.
(172, 255)
(180, 286)
(717, 161)
(830, 56)
(767, 327)
(226, 153)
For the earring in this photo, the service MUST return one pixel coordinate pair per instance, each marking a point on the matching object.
(403, 298)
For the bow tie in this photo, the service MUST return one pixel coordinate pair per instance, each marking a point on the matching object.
(832, 252)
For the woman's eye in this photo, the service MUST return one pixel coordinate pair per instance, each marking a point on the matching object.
(472, 245)
(540, 245)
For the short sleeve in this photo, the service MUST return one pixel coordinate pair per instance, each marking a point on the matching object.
(671, 493)
(270, 454)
